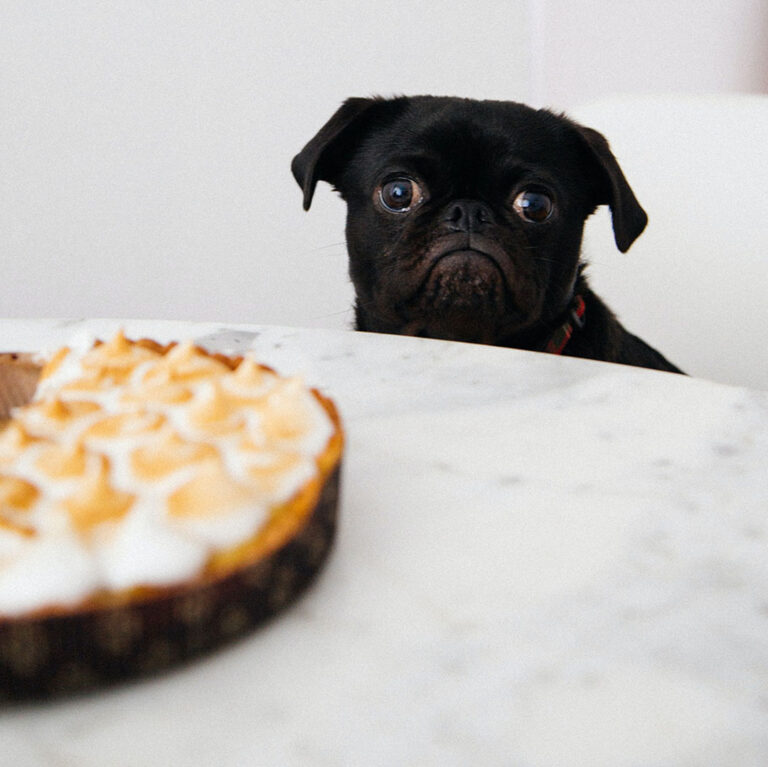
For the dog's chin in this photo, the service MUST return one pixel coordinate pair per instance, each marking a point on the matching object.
(462, 298)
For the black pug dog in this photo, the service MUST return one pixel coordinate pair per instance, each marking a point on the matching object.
(465, 222)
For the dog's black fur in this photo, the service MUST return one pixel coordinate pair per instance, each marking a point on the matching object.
(465, 221)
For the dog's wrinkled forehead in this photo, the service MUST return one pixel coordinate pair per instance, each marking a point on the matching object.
(467, 140)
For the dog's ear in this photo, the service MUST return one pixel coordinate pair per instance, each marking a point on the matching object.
(322, 158)
(629, 219)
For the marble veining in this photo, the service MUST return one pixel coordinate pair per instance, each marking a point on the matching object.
(541, 562)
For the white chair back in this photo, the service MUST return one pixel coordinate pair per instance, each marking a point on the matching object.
(695, 285)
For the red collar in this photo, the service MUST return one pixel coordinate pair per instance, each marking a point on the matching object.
(563, 334)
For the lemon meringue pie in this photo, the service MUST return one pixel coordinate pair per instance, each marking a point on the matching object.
(142, 477)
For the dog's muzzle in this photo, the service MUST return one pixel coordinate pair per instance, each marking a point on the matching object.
(465, 278)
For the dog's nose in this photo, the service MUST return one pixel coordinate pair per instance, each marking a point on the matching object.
(468, 216)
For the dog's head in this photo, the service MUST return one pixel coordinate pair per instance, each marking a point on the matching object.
(465, 217)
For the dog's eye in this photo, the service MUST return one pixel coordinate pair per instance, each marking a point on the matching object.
(533, 206)
(400, 194)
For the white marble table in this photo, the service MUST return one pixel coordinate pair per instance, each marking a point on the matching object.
(541, 562)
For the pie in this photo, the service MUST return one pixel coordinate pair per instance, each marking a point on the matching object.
(155, 501)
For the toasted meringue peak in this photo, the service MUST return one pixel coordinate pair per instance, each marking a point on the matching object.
(97, 501)
(16, 493)
(53, 364)
(118, 346)
(161, 393)
(14, 438)
(118, 357)
(185, 362)
(128, 424)
(58, 410)
(268, 474)
(211, 410)
(168, 454)
(285, 417)
(212, 492)
(93, 380)
(16, 528)
(53, 416)
(250, 375)
(253, 441)
(62, 461)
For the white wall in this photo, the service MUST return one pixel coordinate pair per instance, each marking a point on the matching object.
(145, 144)
(585, 50)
